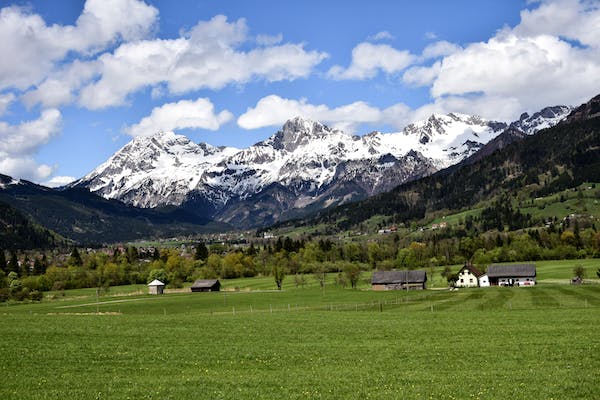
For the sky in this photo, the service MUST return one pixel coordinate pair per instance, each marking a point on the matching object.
(79, 79)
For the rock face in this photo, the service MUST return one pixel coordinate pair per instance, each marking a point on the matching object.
(304, 166)
(588, 110)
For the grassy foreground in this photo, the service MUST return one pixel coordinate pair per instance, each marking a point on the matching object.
(489, 343)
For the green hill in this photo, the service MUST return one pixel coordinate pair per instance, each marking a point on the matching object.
(85, 217)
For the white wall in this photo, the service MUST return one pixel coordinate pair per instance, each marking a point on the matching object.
(466, 279)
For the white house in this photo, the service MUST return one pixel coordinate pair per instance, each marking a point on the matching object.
(468, 276)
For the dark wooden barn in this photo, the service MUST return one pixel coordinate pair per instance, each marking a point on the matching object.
(399, 280)
(206, 285)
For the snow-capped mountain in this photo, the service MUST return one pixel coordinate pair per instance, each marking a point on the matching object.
(305, 165)
(546, 118)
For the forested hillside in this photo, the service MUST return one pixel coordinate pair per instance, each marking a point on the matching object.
(18, 232)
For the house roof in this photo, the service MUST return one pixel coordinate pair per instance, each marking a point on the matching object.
(513, 270)
(398, 277)
(156, 282)
(205, 283)
(472, 270)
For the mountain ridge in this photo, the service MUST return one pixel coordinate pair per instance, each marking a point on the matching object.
(313, 163)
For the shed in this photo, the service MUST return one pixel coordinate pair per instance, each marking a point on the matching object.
(512, 275)
(156, 287)
(399, 280)
(206, 285)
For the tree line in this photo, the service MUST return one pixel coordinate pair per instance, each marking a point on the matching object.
(27, 275)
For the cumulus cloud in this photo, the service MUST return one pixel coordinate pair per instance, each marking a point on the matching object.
(5, 100)
(526, 65)
(57, 181)
(199, 114)
(19, 143)
(440, 49)
(274, 111)
(269, 40)
(35, 47)
(368, 59)
(542, 61)
(206, 57)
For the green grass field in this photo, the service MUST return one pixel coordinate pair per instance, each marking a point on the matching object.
(307, 343)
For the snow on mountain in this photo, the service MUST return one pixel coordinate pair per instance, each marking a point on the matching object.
(308, 162)
(156, 170)
(546, 118)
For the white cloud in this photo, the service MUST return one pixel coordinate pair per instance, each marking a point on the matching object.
(61, 88)
(24, 167)
(544, 60)
(5, 100)
(440, 49)
(539, 71)
(19, 143)
(422, 76)
(269, 40)
(57, 181)
(207, 57)
(199, 114)
(274, 111)
(383, 35)
(368, 59)
(34, 47)
(572, 19)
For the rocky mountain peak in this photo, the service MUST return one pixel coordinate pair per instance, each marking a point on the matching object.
(300, 131)
(588, 110)
(545, 118)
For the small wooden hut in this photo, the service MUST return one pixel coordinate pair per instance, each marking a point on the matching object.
(156, 287)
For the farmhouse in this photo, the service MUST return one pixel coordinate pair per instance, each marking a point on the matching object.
(206, 285)
(468, 276)
(399, 280)
(156, 287)
(511, 275)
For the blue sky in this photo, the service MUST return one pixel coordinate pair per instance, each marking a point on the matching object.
(80, 79)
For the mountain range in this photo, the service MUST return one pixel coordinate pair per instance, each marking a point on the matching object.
(561, 157)
(166, 185)
(304, 167)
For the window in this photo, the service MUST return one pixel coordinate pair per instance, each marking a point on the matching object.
(462, 280)
(471, 280)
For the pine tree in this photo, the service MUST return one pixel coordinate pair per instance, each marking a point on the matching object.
(3, 265)
(13, 263)
(201, 252)
(75, 258)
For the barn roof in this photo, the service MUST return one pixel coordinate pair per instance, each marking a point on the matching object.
(472, 270)
(156, 282)
(205, 283)
(513, 270)
(398, 277)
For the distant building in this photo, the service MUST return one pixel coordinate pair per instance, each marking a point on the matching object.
(156, 287)
(512, 275)
(206, 285)
(468, 276)
(484, 280)
(399, 280)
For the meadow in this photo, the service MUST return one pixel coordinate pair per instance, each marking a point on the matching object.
(307, 343)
